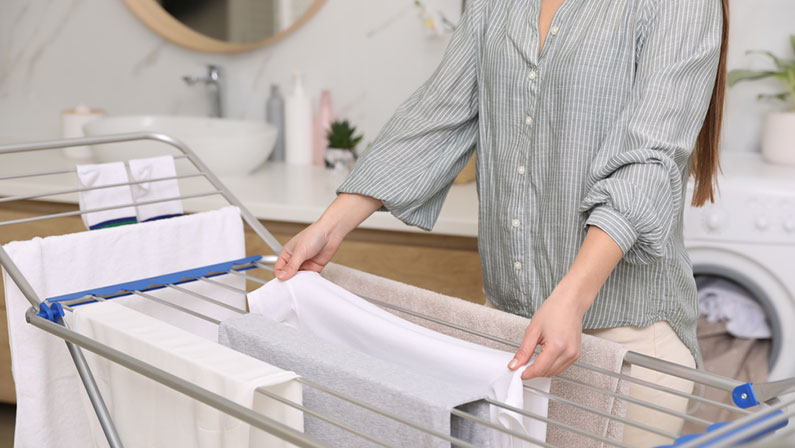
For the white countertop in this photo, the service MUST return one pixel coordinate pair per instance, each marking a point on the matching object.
(276, 191)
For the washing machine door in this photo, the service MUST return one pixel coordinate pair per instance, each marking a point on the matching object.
(766, 288)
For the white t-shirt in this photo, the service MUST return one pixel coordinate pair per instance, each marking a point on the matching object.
(314, 304)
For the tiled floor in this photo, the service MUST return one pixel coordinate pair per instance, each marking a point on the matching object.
(7, 413)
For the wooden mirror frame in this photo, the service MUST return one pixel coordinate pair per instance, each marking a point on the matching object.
(161, 22)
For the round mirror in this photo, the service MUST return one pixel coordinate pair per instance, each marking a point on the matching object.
(223, 26)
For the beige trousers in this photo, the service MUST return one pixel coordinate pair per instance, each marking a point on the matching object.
(658, 340)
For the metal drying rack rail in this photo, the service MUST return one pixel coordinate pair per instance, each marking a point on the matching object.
(759, 424)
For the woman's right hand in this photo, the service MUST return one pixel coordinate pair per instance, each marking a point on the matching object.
(312, 248)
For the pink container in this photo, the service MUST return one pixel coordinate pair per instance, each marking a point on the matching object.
(322, 124)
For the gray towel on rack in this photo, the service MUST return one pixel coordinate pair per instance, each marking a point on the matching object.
(595, 351)
(411, 396)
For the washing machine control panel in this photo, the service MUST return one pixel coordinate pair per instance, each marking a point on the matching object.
(744, 212)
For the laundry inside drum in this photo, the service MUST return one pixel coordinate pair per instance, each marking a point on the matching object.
(737, 338)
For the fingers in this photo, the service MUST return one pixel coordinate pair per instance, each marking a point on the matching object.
(570, 355)
(541, 365)
(281, 263)
(281, 260)
(526, 349)
(555, 357)
(283, 269)
(311, 265)
(294, 262)
(288, 262)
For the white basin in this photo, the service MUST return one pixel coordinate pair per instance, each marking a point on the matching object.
(228, 147)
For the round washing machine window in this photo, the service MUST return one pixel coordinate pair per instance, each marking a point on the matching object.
(767, 290)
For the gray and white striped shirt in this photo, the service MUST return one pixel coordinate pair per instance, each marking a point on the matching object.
(596, 130)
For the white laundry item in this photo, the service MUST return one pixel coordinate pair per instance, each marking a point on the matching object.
(311, 303)
(105, 174)
(155, 168)
(148, 414)
(721, 299)
(48, 389)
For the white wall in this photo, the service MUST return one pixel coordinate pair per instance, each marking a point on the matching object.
(56, 54)
(760, 25)
(370, 53)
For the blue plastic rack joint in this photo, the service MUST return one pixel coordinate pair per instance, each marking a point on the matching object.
(51, 311)
(743, 396)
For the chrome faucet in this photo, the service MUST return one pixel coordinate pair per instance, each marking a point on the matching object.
(215, 82)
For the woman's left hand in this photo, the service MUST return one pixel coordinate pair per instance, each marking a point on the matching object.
(557, 327)
(557, 324)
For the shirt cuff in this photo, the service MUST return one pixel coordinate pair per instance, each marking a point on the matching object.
(615, 225)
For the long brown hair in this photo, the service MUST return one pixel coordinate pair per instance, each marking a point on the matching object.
(705, 163)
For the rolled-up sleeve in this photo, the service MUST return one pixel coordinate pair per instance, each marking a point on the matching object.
(414, 160)
(638, 178)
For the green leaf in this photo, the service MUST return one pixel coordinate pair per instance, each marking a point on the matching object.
(787, 64)
(738, 75)
(779, 63)
(792, 41)
(790, 83)
(775, 58)
(773, 96)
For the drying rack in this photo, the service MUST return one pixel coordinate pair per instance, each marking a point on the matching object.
(770, 410)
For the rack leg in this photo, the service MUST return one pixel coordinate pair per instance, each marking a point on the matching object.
(93, 394)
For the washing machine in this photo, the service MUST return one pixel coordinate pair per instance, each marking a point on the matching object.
(748, 236)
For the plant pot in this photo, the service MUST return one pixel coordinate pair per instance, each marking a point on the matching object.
(341, 159)
(778, 138)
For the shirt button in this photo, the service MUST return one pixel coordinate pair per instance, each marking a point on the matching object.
(554, 30)
(521, 169)
(532, 75)
(528, 120)
(517, 265)
(515, 223)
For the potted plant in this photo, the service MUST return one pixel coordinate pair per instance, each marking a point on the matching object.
(342, 141)
(778, 136)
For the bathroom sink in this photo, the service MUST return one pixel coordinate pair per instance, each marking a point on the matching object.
(228, 147)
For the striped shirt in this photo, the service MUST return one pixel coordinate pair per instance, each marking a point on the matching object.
(597, 129)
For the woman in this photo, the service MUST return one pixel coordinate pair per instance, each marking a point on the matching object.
(588, 117)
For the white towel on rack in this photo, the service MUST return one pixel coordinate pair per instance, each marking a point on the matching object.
(105, 174)
(148, 414)
(49, 412)
(311, 303)
(155, 168)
